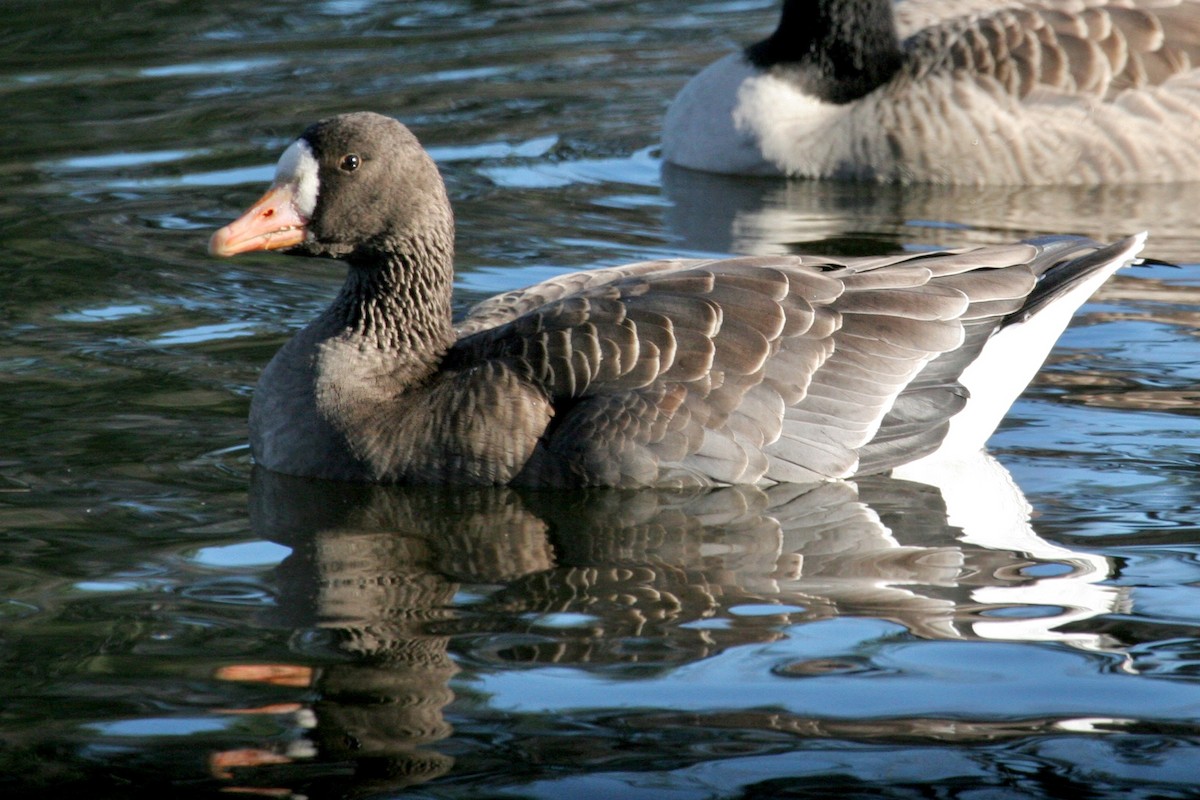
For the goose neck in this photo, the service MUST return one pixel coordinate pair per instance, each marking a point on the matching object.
(399, 301)
(839, 50)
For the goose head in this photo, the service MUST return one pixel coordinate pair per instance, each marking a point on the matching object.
(355, 187)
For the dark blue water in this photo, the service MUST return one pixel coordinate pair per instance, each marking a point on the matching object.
(174, 624)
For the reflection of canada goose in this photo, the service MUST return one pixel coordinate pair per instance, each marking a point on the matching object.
(664, 373)
(1017, 92)
(733, 214)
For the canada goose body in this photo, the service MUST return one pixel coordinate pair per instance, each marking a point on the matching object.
(675, 372)
(1004, 92)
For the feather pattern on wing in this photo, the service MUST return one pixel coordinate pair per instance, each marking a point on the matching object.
(1063, 92)
(758, 369)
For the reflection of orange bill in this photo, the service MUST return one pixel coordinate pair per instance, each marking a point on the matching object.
(221, 763)
(273, 674)
(274, 708)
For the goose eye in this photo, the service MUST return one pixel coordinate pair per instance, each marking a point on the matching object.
(350, 162)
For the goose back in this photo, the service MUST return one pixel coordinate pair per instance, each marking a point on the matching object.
(760, 369)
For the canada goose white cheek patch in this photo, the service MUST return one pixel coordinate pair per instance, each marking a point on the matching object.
(298, 168)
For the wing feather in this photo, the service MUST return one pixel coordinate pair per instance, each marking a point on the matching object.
(758, 369)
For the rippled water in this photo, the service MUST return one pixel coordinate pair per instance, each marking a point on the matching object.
(172, 623)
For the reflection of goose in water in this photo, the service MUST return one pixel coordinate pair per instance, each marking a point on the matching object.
(728, 214)
(376, 571)
(399, 579)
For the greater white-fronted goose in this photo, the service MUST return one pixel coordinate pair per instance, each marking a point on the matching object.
(739, 370)
(974, 92)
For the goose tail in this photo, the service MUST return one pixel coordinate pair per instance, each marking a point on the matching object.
(1069, 272)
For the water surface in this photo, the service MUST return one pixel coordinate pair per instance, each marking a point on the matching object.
(173, 622)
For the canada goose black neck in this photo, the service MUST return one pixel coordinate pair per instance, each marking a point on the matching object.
(838, 50)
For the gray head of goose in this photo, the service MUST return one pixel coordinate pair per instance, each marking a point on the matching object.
(357, 187)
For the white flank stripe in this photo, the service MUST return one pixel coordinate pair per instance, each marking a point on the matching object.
(1008, 363)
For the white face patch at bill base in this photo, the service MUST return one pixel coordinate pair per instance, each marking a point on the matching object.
(298, 168)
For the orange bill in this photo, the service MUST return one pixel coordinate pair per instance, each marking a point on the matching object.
(270, 224)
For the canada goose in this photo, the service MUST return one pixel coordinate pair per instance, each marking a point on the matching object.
(982, 92)
(740, 370)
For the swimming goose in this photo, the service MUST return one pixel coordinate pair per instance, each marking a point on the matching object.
(967, 92)
(673, 372)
